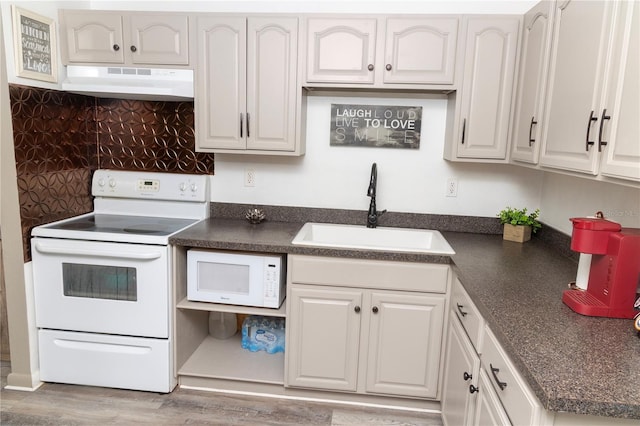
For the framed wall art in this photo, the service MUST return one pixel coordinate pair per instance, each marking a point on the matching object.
(34, 39)
(380, 126)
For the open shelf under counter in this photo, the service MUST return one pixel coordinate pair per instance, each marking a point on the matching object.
(226, 359)
(236, 309)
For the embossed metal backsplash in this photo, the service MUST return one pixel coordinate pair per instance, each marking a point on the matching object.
(60, 138)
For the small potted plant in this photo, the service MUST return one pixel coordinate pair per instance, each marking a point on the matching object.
(519, 224)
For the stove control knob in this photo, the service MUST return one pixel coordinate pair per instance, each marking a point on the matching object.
(101, 182)
(112, 183)
(183, 187)
(194, 187)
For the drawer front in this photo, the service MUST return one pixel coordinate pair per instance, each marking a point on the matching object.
(105, 360)
(521, 405)
(376, 274)
(468, 314)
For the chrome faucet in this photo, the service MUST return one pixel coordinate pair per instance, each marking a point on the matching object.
(374, 214)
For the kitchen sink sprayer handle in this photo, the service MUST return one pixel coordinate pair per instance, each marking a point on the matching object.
(494, 372)
(463, 313)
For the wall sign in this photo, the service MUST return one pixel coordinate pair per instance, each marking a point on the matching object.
(376, 126)
(34, 39)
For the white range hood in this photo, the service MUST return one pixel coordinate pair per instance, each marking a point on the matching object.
(130, 83)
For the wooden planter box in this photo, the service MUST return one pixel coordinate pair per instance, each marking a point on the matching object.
(517, 233)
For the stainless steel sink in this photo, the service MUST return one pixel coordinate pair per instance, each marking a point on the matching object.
(380, 238)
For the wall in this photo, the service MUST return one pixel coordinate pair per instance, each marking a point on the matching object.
(565, 196)
(408, 180)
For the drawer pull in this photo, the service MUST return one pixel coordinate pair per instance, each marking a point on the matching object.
(466, 376)
(473, 389)
(494, 371)
(463, 313)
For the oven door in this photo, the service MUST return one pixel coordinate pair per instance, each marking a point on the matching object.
(101, 287)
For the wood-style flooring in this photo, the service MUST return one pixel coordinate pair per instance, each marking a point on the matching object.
(60, 404)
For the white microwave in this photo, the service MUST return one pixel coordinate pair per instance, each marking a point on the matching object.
(236, 278)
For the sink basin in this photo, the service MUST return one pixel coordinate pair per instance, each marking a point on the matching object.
(381, 238)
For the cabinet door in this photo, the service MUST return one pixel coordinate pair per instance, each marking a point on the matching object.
(489, 410)
(159, 39)
(341, 50)
(323, 338)
(461, 371)
(272, 83)
(93, 37)
(420, 51)
(220, 106)
(621, 154)
(536, 44)
(580, 45)
(489, 66)
(405, 338)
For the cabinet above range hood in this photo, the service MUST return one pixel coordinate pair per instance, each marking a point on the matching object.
(130, 83)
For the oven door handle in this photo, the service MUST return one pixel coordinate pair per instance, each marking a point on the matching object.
(50, 249)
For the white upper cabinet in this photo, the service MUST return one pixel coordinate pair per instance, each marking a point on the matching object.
(381, 52)
(534, 60)
(341, 50)
(580, 45)
(126, 38)
(420, 51)
(619, 127)
(483, 104)
(246, 78)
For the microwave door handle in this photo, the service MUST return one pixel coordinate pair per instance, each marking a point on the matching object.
(50, 249)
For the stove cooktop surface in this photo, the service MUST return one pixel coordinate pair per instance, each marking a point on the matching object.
(122, 224)
(115, 228)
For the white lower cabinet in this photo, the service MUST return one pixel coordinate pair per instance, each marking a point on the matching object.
(343, 336)
(489, 410)
(461, 375)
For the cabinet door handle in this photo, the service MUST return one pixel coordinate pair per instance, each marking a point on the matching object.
(591, 120)
(241, 120)
(466, 376)
(374, 309)
(602, 118)
(248, 134)
(133, 48)
(357, 309)
(464, 127)
(494, 372)
(388, 67)
(463, 313)
(473, 389)
(370, 67)
(531, 140)
(116, 47)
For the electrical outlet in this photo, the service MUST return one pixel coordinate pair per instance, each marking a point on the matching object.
(249, 177)
(452, 187)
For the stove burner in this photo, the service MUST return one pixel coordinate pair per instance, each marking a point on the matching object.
(78, 225)
(151, 228)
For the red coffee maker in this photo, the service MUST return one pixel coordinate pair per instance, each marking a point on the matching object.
(614, 270)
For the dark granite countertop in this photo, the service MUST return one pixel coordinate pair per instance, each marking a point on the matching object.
(572, 363)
